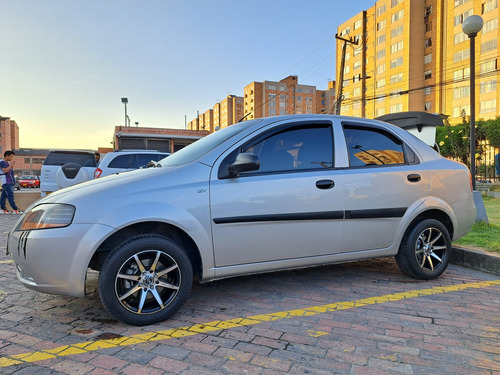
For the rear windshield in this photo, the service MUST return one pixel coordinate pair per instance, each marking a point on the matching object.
(62, 157)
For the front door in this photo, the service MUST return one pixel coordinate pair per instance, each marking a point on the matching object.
(291, 208)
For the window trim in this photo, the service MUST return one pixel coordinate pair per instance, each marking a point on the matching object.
(222, 174)
(409, 154)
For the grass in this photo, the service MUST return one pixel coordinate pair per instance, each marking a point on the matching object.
(485, 236)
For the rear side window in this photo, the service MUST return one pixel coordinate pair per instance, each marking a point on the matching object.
(61, 158)
(369, 146)
(121, 161)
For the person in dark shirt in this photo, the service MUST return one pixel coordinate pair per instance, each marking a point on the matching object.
(8, 180)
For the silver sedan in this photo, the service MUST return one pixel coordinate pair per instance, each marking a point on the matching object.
(258, 196)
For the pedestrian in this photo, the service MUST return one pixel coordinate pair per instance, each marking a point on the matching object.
(8, 180)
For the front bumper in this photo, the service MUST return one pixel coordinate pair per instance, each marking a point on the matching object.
(55, 261)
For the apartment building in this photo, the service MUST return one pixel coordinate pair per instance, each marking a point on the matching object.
(413, 56)
(286, 97)
(231, 111)
(9, 135)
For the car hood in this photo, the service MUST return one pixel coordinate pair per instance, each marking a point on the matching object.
(101, 194)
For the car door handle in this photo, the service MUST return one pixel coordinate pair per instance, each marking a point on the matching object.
(325, 184)
(414, 177)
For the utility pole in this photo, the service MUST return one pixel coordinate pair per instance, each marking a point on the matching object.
(342, 63)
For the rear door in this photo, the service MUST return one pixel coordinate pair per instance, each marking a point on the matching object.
(384, 180)
(290, 208)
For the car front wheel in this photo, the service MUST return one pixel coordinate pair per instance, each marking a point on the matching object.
(145, 280)
(425, 250)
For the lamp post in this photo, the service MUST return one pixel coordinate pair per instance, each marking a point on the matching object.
(125, 101)
(471, 26)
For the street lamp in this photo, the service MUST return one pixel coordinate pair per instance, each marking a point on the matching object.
(471, 26)
(125, 101)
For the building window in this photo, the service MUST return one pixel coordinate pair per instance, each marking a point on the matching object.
(428, 58)
(428, 11)
(461, 92)
(427, 91)
(356, 92)
(396, 108)
(379, 112)
(381, 39)
(490, 25)
(397, 47)
(271, 87)
(380, 83)
(428, 74)
(358, 24)
(460, 2)
(395, 2)
(489, 66)
(346, 31)
(380, 68)
(428, 42)
(488, 106)
(461, 74)
(381, 25)
(427, 106)
(380, 10)
(461, 55)
(397, 31)
(488, 86)
(356, 65)
(461, 111)
(395, 78)
(428, 26)
(489, 46)
(462, 17)
(398, 16)
(381, 54)
(489, 6)
(396, 62)
(459, 37)
(357, 51)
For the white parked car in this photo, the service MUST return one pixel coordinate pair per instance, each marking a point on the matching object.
(63, 168)
(263, 195)
(127, 160)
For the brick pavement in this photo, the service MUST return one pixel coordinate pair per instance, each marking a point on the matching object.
(376, 323)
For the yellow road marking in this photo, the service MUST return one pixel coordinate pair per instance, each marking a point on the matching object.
(314, 333)
(6, 261)
(90, 346)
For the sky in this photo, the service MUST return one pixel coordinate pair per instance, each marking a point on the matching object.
(66, 64)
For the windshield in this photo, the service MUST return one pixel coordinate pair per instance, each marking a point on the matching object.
(199, 148)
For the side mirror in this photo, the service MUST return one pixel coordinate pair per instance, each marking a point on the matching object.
(243, 163)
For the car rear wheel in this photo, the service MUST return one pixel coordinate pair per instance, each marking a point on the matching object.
(145, 280)
(425, 250)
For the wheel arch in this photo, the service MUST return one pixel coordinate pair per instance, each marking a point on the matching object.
(150, 227)
(436, 214)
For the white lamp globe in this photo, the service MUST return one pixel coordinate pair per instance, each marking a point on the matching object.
(472, 25)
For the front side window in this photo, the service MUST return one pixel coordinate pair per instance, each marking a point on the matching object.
(301, 147)
(369, 146)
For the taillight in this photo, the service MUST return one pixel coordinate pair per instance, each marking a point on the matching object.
(97, 173)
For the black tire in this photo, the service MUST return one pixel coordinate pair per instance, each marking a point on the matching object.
(425, 250)
(145, 280)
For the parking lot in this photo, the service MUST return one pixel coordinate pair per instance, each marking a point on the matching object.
(357, 318)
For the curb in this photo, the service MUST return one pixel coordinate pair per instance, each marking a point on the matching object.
(476, 259)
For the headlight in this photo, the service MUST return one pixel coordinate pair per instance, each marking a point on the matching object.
(46, 216)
